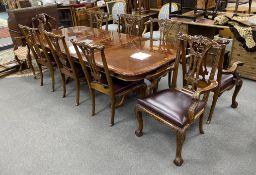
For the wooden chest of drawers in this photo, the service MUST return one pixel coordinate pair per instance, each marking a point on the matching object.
(248, 70)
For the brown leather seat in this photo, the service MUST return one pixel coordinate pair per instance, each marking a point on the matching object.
(226, 80)
(171, 104)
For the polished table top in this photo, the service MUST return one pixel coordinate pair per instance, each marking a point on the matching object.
(128, 57)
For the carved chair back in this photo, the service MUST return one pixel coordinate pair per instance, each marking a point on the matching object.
(91, 70)
(98, 17)
(194, 65)
(132, 24)
(167, 28)
(34, 40)
(61, 54)
(44, 22)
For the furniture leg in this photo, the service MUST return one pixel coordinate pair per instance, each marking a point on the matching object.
(77, 91)
(239, 84)
(113, 107)
(41, 74)
(214, 101)
(139, 131)
(53, 79)
(30, 64)
(92, 92)
(201, 120)
(63, 85)
(180, 138)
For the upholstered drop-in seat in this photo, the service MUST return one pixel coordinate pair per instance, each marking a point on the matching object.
(170, 104)
(226, 80)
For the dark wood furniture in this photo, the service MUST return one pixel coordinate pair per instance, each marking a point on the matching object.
(179, 108)
(44, 21)
(65, 63)
(227, 79)
(98, 19)
(238, 3)
(121, 51)
(131, 24)
(200, 8)
(24, 17)
(101, 81)
(41, 55)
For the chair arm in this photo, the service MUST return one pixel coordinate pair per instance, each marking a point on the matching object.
(213, 85)
(196, 98)
(233, 68)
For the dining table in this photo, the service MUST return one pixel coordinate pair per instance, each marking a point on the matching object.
(129, 58)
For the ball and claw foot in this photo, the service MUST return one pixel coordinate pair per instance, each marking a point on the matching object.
(178, 161)
(138, 133)
(234, 105)
(208, 122)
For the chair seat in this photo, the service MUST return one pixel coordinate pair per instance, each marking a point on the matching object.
(21, 53)
(226, 80)
(156, 35)
(112, 27)
(121, 86)
(172, 105)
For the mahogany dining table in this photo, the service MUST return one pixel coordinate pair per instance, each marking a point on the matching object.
(129, 58)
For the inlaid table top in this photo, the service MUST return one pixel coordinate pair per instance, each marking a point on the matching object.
(128, 57)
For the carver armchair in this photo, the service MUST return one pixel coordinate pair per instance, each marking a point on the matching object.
(180, 108)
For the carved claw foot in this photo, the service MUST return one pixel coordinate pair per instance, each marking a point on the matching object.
(178, 161)
(138, 133)
(234, 105)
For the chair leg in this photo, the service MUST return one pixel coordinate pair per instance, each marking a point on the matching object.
(63, 84)
(77, 91)
(113, 107)
(239, 84)
(214, 101)
(92, 92)
(53, 79)
(29, 59)
(139, 131)
(180, 138)
(201, 120)
(41, 74)
(170, 79)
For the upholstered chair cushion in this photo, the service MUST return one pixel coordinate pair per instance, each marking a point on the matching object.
(171, 104)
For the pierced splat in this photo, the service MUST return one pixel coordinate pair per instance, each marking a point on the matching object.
(194, 64)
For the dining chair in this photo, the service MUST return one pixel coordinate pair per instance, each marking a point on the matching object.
(118, 8)
(100, 79)
(227, 79)
(162, 16)
(164, 31)
(131, 24)
(98, 17)
(44, 21)
(180, 108)
(65, 63)
(41, 55)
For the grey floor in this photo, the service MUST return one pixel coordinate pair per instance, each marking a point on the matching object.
(42, 133)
